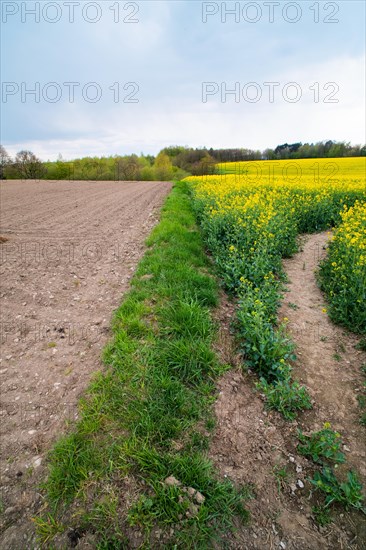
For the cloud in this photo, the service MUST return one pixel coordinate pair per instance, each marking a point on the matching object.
(169, 54)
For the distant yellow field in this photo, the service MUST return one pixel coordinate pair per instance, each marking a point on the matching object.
(323, 170)
(312, 191)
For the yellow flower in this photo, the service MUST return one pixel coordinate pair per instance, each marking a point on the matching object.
(263, 203)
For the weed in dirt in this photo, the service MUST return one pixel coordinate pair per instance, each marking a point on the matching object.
(347, 493)
(293, 306)
(286, 396)
(281, 475)
(321, 446)
(361, 345)
(321, 515)
(336, 357)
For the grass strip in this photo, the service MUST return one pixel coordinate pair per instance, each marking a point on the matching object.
(134, 470)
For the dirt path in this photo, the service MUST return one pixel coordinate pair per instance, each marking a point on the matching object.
(67, 253)
(328, 363)
(250, 443)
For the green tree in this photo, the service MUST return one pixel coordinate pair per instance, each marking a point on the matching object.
(61, 168)
(163, 167)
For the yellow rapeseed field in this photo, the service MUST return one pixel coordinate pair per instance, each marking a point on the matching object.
(322, 170)
(265, 204)
(251, 214)
(343, 273)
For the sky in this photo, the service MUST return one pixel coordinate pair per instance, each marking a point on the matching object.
(82, 78)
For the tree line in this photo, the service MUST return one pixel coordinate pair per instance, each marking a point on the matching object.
(26, 165)
(322, 149)
(174, 162)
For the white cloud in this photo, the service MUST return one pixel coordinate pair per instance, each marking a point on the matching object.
(168, 53)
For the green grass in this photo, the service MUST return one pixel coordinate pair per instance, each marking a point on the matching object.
(148, 416)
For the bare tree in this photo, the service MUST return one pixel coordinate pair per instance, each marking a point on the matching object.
(28, 165)
(127, 168)
(5, 161)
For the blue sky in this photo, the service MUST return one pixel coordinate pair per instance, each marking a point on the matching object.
(311, 52)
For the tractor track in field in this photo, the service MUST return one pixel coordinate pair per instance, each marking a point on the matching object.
(67, 253)
(251, 442)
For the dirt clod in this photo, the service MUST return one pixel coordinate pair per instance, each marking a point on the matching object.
(172, 481)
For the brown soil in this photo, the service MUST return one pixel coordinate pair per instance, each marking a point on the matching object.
(250, 442)
(68, 251)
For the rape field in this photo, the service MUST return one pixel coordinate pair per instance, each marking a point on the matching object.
(321, 170)
(343, 273)
(251, 214)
